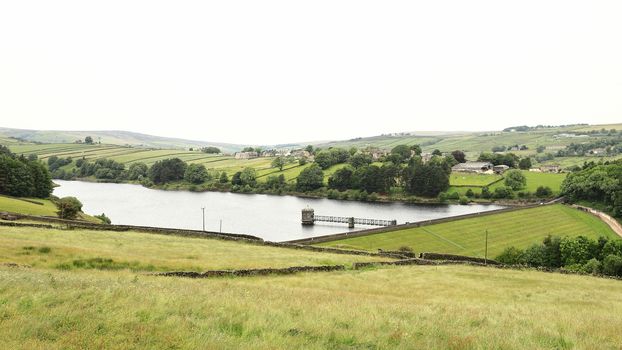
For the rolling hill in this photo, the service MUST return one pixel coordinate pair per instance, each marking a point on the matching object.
(115, 137)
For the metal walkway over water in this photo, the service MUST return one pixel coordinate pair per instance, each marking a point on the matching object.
(309, 218)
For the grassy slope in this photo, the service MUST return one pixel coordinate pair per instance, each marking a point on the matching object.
(152, 252)
(23, 207)
(447, 307)
(519, 228)
(15, 205)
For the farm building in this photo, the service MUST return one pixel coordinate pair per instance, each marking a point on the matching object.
(500, 169)
(246, 155)
(472, 167)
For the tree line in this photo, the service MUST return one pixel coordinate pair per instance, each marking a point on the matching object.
(579, 254)
(23, 177)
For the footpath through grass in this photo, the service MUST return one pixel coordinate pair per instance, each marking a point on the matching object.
(467, 236)
(424, 307)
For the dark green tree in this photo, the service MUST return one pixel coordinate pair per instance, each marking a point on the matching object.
(515, 179)
(342, 179)
(359, 160)
(167, 170)
(310, 179)
(278, 162)
(137, 171)
(426, 180)
(196, 174)
(525, 163)
(459, 156)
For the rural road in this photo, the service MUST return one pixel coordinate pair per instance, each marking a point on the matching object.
(613, 223)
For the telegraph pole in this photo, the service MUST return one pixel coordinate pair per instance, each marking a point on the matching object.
(203, 209)
(486, 250)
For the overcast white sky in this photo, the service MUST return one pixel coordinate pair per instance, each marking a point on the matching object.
(284, 71)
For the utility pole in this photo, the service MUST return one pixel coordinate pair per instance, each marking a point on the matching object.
(486, 250)
(220, 226)
(203, 209)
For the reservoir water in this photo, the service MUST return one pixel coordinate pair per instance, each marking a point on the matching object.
(274, 218)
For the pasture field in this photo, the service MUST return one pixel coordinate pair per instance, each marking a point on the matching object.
(16, 205)
(149, 252)
(534, 180)
(520, 228)
(46, 208)
(473, 180)
(410, 307)
(461, 183)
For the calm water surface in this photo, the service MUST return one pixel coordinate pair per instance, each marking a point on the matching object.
(275, 218)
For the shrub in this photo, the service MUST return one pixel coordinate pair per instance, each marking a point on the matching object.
(593, 266)
(612, 265)
(405, 249)
(486, 193)
(544, 192)
(104, 218)
(469, 193)
(464, 200)
(454, 196)
(511, 256)
(332, 194)
(502, 192)
(68, 208)
(45, 250)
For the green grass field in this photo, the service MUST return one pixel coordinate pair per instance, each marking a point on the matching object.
(15, 205)
(446, 307)
(467, 237)
(49, 302)
(475, 180)
(150, 252)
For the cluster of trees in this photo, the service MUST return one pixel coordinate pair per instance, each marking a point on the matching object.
(104, 169)
(508, 148)
(23, 177)
(210, 150)
(581, 254)
(600, 183)
(401, 167)
(611, 147)
(54, 162)
(327, 158)
(509, 159)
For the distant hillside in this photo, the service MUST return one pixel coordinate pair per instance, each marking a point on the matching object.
(552, 138)
(115, 137)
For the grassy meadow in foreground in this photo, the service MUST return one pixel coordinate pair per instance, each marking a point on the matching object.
(85, 249)
(467, 237)
(423, 307)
